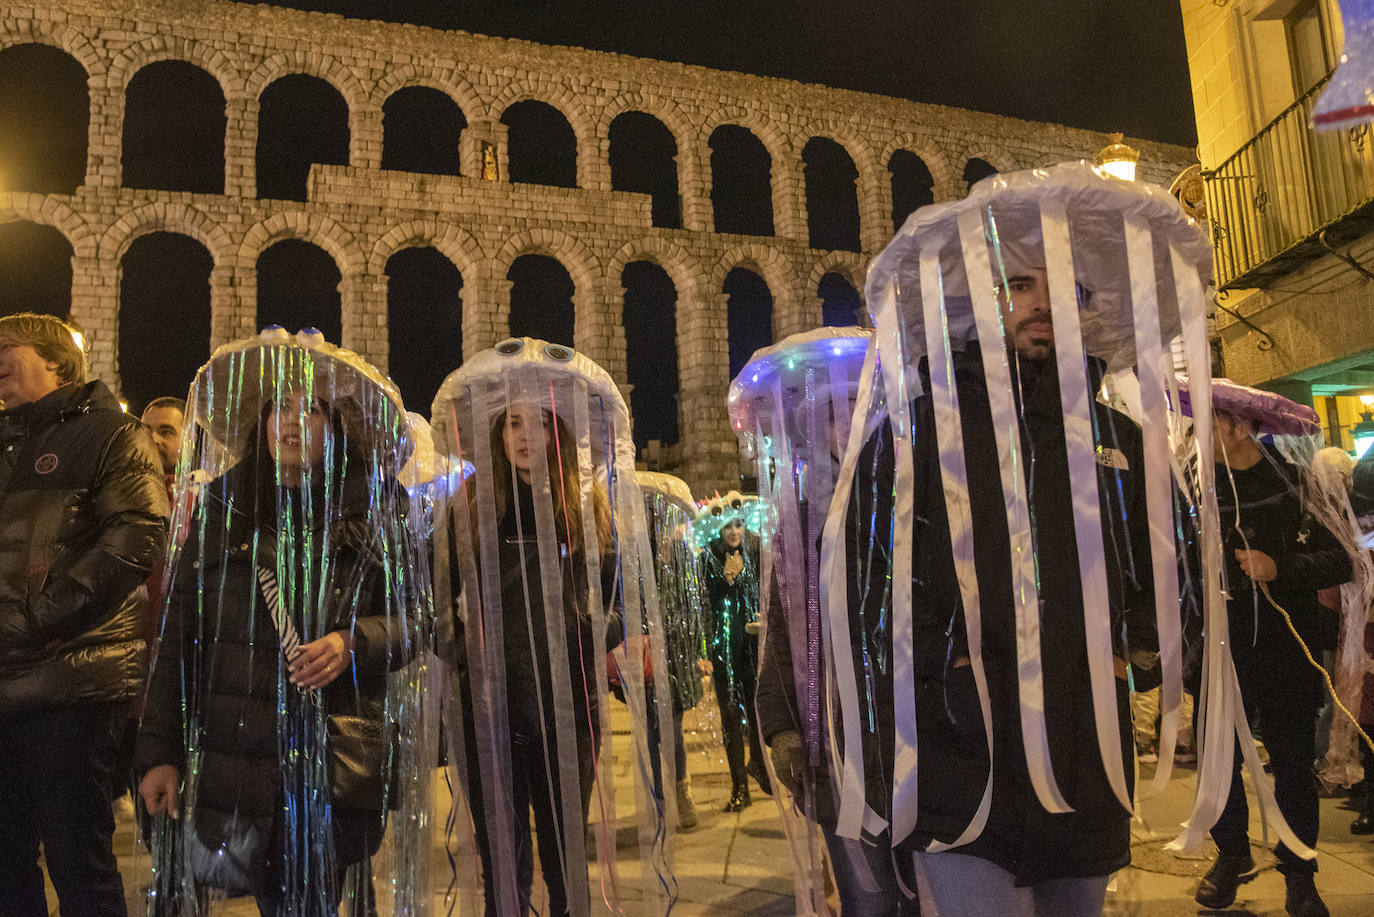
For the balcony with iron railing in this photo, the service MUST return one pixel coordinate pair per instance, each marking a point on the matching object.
(1289, 195)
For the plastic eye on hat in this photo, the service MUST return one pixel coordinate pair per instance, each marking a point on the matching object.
(274, 333)
(736, 503)
(716, 511)
(558, 352)
(510, 347)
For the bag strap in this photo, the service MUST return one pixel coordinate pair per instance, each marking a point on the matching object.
(287, 634)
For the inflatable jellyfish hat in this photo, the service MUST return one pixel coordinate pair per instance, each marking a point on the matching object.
(721, 510)
(1125, 270)
(294, 591)
(547, 567)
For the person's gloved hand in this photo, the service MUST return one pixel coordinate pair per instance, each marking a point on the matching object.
(789, 761)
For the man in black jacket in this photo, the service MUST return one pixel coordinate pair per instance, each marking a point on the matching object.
(1271, 541)
(83, 518)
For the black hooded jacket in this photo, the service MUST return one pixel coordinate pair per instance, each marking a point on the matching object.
(83, 519)
(1020, 835)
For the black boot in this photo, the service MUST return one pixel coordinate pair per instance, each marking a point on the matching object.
(1218, 888)
(739, 799)
(1365, 823)
(1302, 899)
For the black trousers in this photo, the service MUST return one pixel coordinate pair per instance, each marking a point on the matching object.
(1281, 692)
(533, 786)
(57, 770)
(735, 685)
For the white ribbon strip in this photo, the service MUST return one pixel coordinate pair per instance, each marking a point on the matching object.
(1006, 427)
(1077, 403)
(949, 431)
(1153, 415)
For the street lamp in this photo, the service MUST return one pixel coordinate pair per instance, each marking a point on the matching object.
(1363, 432)
(1117, 159)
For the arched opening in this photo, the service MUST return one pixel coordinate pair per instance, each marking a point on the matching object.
(420, 131)
(541, 299)
(45, 113)
(741, 182)
(424, 322)
(174, 120)
(644, 159)
(839, 301)
(749, 316)
(832, 200)
(650, 317)
(913, 187)
(975, 170)
(298, 287)
(541, 145)
(35, 269)
(302, 120)
(164, 316)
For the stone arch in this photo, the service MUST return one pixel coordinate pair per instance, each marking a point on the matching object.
(683, 268)
(567, 103)
(935, 158)
(1000, 161)
(316, 228)
(867, 189)
(167, 217)
(784, 173)
(579, 260)
(772, 265)
(73, 42)
(772, 137)
(445, 80)
(311, 63)
(170, 47)
(664, 109)
(850, 266)
(455, 244)
(48, 211)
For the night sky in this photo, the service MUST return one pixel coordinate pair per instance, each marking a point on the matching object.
(1108, 65)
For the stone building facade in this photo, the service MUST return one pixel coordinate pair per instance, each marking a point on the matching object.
(361, 214)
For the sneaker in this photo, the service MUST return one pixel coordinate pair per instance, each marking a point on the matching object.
(739, 799)
(1185, 754)
(1302, 899)
(686, 805)
(1218, 888)
(1147, 755)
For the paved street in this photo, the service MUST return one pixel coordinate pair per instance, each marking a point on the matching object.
(740, 865)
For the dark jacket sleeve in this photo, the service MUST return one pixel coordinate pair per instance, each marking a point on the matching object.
(775, 698)
(160, 731)
(1317, 560)
(129, 504)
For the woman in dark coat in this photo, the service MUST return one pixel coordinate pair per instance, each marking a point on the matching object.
(271, 674)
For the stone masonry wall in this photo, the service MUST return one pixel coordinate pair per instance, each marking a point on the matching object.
(361, 214)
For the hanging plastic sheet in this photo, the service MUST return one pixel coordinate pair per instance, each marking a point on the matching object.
(791, 406)
(937, 294)
(278, 729)
(546, 566)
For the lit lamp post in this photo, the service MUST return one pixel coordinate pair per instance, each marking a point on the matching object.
(1117, 159)
(1363, 432)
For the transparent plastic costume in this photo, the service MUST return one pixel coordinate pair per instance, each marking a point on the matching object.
(296, 604)
(544, 560)
(1294, 431)
(1348, 101)
(1125, 270)
(790, 406)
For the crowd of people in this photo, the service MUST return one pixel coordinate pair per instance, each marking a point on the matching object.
(235, 609)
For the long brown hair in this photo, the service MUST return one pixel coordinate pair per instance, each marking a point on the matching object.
(565, 482)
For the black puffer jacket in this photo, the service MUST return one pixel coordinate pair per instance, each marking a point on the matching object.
(83, 519)
(1020, 835)
(219, 636)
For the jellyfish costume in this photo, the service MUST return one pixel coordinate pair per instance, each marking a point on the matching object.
(995, 540)
(669, 509)
(790, 406)
(1290, 437)
(294, 592)
(728, 530)
(543, 557)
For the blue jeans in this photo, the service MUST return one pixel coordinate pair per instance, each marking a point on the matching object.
(865, 878)
(966, 886)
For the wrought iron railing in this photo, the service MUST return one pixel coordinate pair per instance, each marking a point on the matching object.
(1281, 189)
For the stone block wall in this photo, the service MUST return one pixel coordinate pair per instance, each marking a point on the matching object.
(361, 214)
